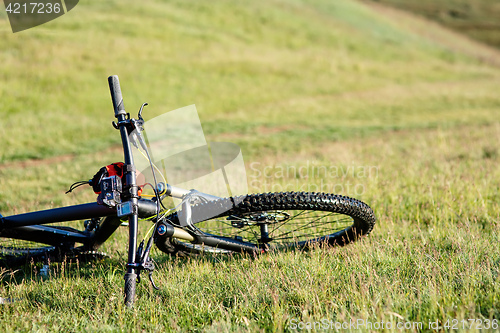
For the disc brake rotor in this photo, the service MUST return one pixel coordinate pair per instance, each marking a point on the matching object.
(243, 220)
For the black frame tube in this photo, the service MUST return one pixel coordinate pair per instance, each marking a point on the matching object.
(48, 235)
(63, 214)
(13, 226)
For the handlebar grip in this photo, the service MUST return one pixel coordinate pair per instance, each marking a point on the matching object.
(116, 95)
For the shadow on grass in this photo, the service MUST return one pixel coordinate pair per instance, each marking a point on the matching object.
(91, 267)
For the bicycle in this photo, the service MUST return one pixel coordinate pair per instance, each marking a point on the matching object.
(201, 223)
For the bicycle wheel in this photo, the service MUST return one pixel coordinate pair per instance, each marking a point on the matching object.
(15, 252)
(299, 220)
(38, 243)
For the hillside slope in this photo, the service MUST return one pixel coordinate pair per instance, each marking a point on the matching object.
(477, 19)
(275, 74)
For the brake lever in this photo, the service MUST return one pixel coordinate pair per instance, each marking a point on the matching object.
(145, 263)
(137, 134)
(140, 111)
(150, 267)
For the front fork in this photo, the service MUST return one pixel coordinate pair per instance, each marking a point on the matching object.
(132, 202)
(138, 259)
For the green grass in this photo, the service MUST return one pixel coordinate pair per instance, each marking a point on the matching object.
(300, 85)
(431, 257)
(237, 62)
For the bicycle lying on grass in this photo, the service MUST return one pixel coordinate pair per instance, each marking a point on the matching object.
(201, 222)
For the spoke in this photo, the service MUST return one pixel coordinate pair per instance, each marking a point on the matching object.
(224, 222)
(234, 230)
(317, 234)
(345, 221)
(285, 221)
(292, 219)
(308, 224)
(324, 225)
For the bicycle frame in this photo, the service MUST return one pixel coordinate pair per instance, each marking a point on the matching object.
(119, 200)
(32, 226)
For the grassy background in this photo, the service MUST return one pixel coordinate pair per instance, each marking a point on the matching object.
(294, 83)
(477, 19)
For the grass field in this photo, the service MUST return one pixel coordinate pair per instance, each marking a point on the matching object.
(310, 84)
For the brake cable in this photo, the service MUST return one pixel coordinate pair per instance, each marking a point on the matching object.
(78, 184)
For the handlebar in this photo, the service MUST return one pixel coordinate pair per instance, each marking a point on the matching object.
(116, 95)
